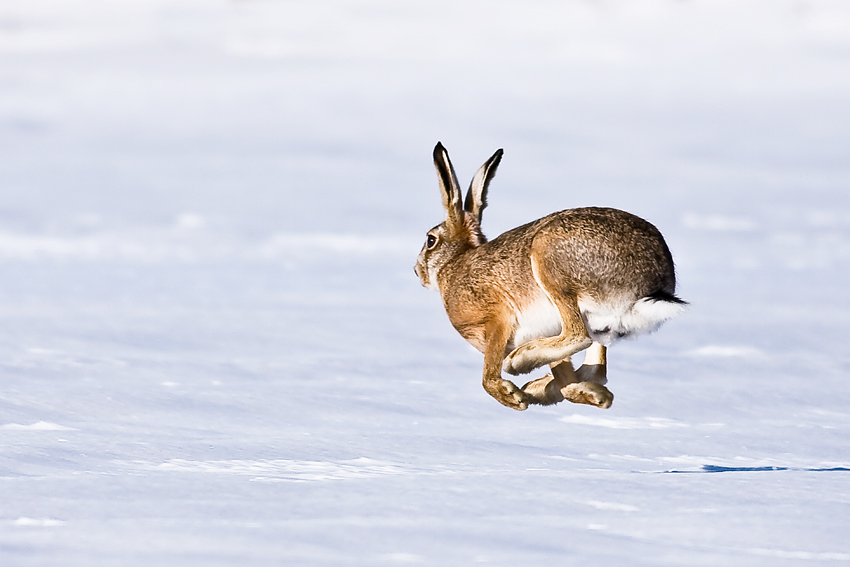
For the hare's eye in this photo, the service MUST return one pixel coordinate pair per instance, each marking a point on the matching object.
(431, 241)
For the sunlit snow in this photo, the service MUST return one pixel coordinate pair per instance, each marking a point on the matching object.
(214, 348)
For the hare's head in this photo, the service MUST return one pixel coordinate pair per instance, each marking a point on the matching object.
(462, 228)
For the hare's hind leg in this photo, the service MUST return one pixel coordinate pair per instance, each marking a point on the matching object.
(583, 386)
(546, 391)
(547, 350)
(590, 379)
(595, 365)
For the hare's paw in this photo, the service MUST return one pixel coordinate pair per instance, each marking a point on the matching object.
(523, 359)
(531, 355)
(538, 352)
(507, 394)
(591, 393)
(544, 391)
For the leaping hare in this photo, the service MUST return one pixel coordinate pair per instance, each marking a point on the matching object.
(574, 280)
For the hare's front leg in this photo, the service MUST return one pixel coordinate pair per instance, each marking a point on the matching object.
(505, 391)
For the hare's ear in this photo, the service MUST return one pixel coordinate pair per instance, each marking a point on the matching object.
(476, 197)
(449, 186)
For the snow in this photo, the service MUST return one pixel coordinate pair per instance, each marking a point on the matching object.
(214, 349)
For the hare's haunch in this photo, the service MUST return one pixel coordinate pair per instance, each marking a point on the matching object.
(574, 280)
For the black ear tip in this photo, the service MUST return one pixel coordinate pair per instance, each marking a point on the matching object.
(440, 153)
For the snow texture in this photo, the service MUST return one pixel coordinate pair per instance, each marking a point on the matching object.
(214, 349)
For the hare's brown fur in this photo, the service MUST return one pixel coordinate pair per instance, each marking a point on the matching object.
(543, 291)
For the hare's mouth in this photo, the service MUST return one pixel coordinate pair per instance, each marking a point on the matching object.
(424, 275)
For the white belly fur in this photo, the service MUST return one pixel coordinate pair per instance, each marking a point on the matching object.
(539, 319)
(606, 322)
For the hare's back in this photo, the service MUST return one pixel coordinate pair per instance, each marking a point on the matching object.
(606, 253)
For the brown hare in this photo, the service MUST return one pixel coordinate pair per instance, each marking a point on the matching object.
(574, 280)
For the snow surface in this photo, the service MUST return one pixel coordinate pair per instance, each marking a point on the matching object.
(214, 349)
